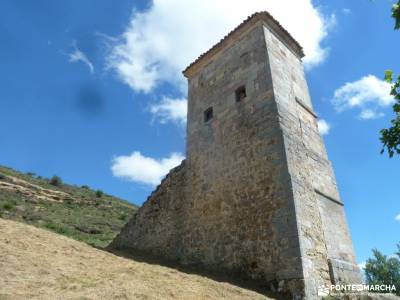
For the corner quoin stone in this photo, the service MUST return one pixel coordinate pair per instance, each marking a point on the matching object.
(256, 195)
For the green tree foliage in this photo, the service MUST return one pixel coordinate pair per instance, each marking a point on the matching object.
(396, 15)
(56, 181)
(390, 137)
(382, 269)
(99, 193)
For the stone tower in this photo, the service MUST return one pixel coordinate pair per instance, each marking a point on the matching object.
(256, 195)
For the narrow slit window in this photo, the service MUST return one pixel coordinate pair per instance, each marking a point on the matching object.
(208, 114)
(240, 93)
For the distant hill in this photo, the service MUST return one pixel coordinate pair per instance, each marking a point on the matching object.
(77, 212)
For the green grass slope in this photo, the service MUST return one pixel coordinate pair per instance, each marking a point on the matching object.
(77, 212)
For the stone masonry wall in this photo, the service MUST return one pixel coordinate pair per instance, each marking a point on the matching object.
(157, 227)
(286, 88)
(256, 195)
(323, 231)
(229, 206)
(239, 196)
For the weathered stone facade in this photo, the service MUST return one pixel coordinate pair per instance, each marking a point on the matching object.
(256, 194)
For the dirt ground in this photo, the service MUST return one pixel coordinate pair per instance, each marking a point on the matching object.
(38, 264)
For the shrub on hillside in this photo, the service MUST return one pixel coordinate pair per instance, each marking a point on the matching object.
(123, 217)
(8, 206)
(99, 193)
(31, 216)
(56, 181)
(56, 227)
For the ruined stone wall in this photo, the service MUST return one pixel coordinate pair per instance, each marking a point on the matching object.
(157, 227)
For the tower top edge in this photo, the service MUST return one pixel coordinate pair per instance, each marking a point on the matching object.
(264, 17)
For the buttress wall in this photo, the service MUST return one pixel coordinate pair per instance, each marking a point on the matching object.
(326, 247)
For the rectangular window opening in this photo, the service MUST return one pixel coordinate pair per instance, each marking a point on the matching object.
(208, 114)
(240, 93)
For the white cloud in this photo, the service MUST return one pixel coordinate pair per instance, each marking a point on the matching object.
(169, 109)
(77, 55)
(346, 11)
(397, 218)
(161, 41)
(323, 127)
(369, 114)
(142, 169)
(368, 94)
(362, 265)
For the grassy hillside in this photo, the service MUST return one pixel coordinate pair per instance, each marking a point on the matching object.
(78, 212)
(38, 264)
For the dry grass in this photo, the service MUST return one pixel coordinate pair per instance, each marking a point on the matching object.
(38, 264)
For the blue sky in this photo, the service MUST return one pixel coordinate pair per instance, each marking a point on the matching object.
(92, 91)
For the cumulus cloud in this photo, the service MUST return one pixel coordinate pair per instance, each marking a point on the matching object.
(346, 11)
(397, 218)
(369, 94)
(369, 114)
(170, 109)
(77, 55)
(161, 41)
(323, 127)
(141, 169)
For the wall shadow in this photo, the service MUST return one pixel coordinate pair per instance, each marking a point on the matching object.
(228, 277)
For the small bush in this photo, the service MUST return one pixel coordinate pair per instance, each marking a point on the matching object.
(99, 193)
(2, 177)
(69, 201)
(8, 206)
(31, 174)
(31, 216)
(56, 181)
(87, 229)
(122, 217)
(58, 228)
(86, 187)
